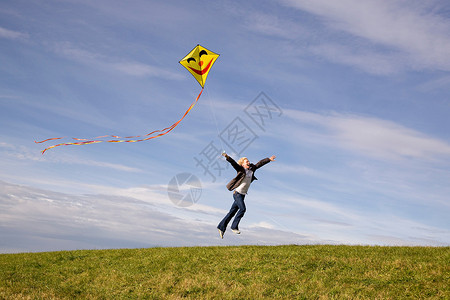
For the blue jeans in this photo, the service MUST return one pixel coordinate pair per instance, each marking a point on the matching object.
(239, 207)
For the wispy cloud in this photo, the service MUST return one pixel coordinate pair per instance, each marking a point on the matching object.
(139, 69)
(272, 25)
(122, 65)
(378, 159)
(295, 169)
(40, 220)
(12, 35)
(435, 84)
(328, 220)
(112, 166)
(371, 136)
(415, 31)
(321, 208)
(373, 62)
(20, 152)
(397, 231)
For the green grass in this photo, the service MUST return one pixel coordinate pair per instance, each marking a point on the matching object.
(244, 272)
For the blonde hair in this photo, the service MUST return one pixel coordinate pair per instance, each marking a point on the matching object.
(241, 160)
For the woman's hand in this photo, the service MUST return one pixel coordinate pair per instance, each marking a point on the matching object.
(272, 158)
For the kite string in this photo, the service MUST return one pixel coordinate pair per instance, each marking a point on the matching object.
(212, 107)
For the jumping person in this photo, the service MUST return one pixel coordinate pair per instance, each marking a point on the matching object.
(240, 184)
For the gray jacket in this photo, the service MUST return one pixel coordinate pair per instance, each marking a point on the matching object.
(236, 181)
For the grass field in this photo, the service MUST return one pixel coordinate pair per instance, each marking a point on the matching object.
(244, 272)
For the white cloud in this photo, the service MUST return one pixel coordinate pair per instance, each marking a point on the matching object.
(39, 220)
(140, 69)
(398, 231)
(367, 59)
(272, 25)
(122, 65)
(295, 169)
(387, 139)
(262, 225)
(415, 31)
(372, 161)
(108, 165)
(370, 136)
(322, 208)
(12, 35)
(19, 152)
(441, 83)
(348, 223)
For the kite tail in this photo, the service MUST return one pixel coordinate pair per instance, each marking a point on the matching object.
(119, 139)
(51, 139)
(67, 144)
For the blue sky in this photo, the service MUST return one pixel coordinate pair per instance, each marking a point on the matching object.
(351, 96)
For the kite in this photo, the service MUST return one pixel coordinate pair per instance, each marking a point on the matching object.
(198, 62)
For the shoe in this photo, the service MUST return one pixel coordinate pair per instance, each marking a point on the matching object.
(236, 231)
(220, 233)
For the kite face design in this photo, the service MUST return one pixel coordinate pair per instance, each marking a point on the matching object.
(199, 62)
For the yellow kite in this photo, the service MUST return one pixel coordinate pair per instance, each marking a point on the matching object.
(198, 62)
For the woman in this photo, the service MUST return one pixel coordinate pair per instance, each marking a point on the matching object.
(240, 184)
